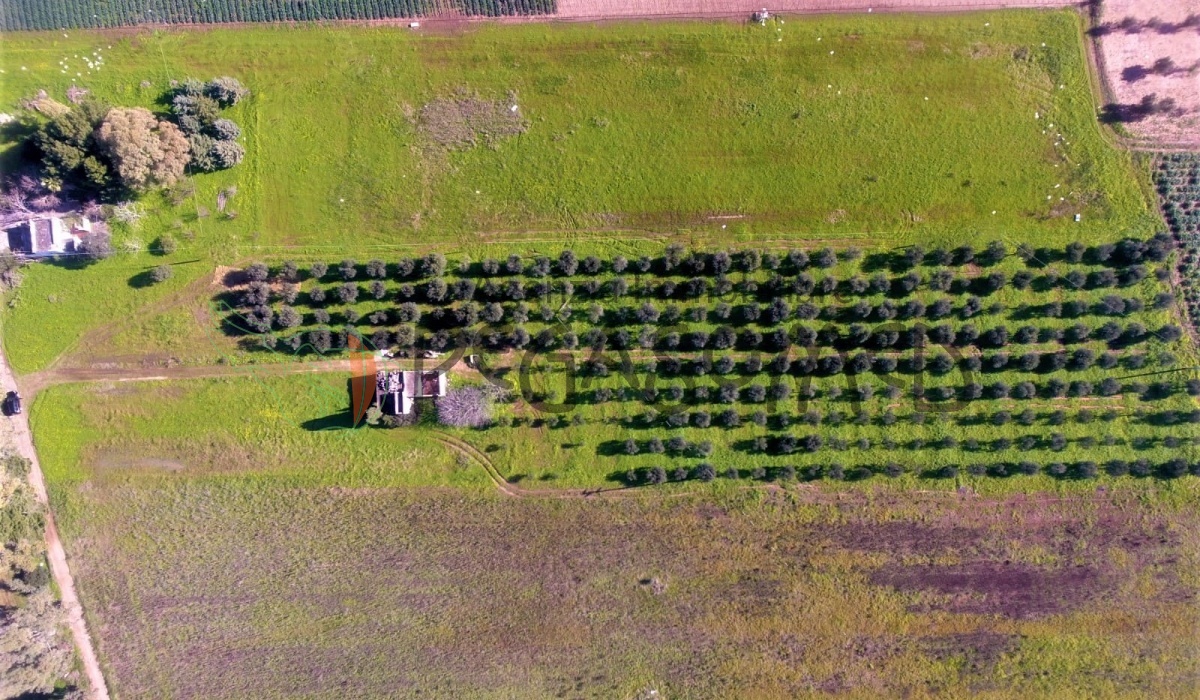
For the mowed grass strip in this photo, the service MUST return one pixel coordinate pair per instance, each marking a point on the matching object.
(898, 125)
(286, 430)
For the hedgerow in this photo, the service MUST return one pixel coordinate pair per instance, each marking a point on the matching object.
(69, 14)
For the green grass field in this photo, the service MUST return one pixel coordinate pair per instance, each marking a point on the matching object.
(912, 129)
(204, 521)
(231, 539)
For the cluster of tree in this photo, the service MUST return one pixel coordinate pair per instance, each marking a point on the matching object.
(212, 138)
(107, 151)
(788, 443)
(35, 657)
(770, 298)
(835, 471)
(110, 152)
(470, 324)
(675, 417)
(676, 446)
(729, 392)
(1178, 180)
(449, 304)
(677, 262)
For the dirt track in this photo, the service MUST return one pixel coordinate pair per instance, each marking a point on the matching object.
(15, 433)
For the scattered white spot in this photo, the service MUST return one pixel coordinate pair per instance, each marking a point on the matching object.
(829, 86)
(341, 199)
(926, 99)
(830, 53)
(513, 108)
(1058, 185)
(64, 34)
(1060, 87)
(1043, 44)
(1037, 115)
(868, 9)
(993, 212)
(818, 38)
(24, 68)
(476, 191)
(987, 24)
(1047, 196)
(722, 225)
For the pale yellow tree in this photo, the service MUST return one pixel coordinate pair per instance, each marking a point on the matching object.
(144, 151)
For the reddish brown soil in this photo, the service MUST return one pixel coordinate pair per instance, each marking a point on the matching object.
(986, 579)
(1134, 36)
(994, 588)
(610, 9)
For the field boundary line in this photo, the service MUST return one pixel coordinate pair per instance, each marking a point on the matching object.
(451, 20)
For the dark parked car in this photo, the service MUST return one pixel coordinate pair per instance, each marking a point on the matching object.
(12, 403)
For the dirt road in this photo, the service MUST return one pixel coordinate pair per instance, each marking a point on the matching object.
(15, 433)
(654, 9)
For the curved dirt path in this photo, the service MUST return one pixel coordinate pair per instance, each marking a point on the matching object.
(22, 441)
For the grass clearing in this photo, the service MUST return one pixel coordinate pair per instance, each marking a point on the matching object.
(680, 128)
(231, 521)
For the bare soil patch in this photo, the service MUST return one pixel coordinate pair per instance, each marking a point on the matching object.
(991, 588)
(1150, 56)
(465, 120)
(613, 9)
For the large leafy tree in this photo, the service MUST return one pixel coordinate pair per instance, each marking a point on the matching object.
(70, 152)
(144, 151)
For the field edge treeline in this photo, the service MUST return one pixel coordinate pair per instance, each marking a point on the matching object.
(21, 15)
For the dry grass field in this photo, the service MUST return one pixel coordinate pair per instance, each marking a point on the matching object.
(401, 593)
(301, 561)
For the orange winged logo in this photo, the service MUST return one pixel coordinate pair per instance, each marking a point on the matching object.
(362, 379)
